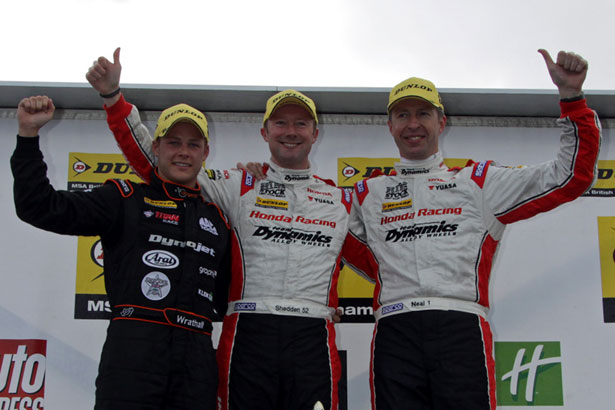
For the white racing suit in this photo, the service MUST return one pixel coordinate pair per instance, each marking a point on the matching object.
(277, 348)
(433, 233)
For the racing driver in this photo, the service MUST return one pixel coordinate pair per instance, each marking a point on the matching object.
(435, 241)
(164, 249)
(277, 348)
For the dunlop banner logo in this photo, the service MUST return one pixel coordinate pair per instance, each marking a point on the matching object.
(605, 182)
(87, 171)
(353, 169)
(606, 238)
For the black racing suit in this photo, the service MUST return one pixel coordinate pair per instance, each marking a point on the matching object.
(165, 252)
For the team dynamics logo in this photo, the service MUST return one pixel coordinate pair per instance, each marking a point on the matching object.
(420, 230)
(529, 374)
(22, 374)
(155, 286)
(292, 235)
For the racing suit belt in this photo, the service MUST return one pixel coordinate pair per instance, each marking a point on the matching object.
(169, 316)
(430, 303)
(288, 307)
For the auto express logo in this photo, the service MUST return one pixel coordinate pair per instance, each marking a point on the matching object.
(22, 374)
(529, 374)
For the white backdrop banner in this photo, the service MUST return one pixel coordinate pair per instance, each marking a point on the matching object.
(552, 288)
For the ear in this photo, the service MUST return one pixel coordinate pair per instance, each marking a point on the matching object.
(442, 124)
(205, 152)
(316, 130)
(390, 124)
(156, 147)
(264, 134)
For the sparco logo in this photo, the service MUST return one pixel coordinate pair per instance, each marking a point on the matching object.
(245, 306)
(414, 171)
(410, 233)
(22, 374)
(160, 259)
(480, 168)
(198, 247)
(392, 308)
(397, 192)
(292, 235)
(273, 189)
(291, 178)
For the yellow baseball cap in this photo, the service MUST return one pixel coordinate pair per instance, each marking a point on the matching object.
(181, 112)
(415, 87)
(289, 97)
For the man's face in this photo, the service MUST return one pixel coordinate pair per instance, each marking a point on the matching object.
(290, 132)
(416, 125)
(181, 153)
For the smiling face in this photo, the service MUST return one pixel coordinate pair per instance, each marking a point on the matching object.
(415, 126)
(181, 153)
(290, 132)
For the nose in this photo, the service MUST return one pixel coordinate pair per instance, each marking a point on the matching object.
(183, 149)
(413, 121)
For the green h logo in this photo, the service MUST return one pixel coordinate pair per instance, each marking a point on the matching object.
(529, 374)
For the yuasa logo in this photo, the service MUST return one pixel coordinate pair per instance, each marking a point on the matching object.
(529, 374)
(22, 374)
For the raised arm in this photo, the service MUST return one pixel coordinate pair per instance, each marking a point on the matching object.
(131, 135)
(36, 201)
(568, 72)
(520, 193)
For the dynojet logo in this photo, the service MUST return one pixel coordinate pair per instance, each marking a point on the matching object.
(529, 374)
(22, 374)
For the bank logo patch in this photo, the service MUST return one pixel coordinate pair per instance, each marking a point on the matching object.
(22, 374)
(208, 226)
(155, 286)
(529, 374)
(160, 259)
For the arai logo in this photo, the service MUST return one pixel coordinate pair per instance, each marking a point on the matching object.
(160, 259)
